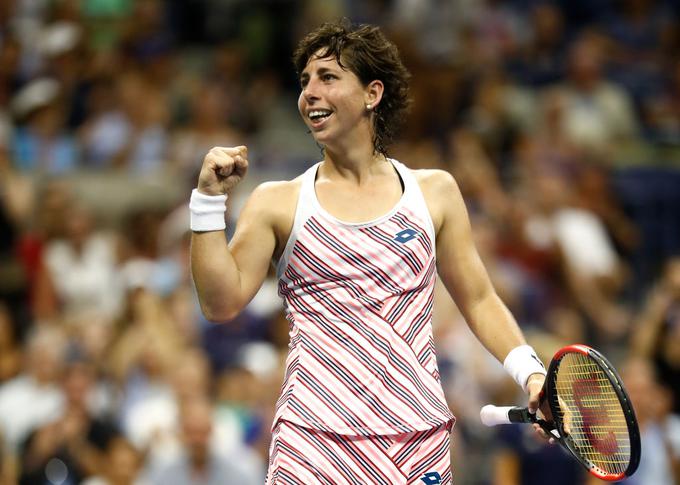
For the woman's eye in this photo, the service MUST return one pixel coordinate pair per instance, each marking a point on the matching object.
(328, 77)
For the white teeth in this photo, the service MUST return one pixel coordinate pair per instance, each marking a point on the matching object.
(318, 114)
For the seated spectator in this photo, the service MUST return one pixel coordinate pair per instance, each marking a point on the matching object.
(595, 191)
(659, 427)
(75, 442)
(151, 421)
(144, 349)
(105, 133)
(41, 143)
(127, 126)
(641, 31)
(475, 172)
(198, 462)
(598, 114)
(500, 109)
(593, 272)
(34, 398)
(242, 398)
(121, 465)
(147, 117)
(656, 335)
(64, 57)
(82, 265)
(498, 28)
(540, 60)
(548, 148)
(206, 127)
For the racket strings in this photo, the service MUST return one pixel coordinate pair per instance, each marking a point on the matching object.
(590, 409)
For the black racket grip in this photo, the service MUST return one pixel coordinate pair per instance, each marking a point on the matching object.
(494, 415)
(521, 415)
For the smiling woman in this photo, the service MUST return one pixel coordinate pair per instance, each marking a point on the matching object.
(357, 240)
(367, 54)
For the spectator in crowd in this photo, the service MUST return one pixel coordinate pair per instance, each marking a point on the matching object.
(594, 188)
(142, 351)
(207, 126)
(75, 442)
(500, 110)
(198, 462)
(659, 426)
(479, 178)
(243, 396)
(152, 421)
(540, 59)
(591, 267)
(82, 264)
(145, 126)
(104, 134)
(60, 46)
(641, 34)
(41, 143)
(34, 398)
(656, 335)
(121, 464)
(496, 28)
(547, 148)
(598, 114)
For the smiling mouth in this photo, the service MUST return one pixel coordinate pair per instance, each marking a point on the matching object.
(318, 115)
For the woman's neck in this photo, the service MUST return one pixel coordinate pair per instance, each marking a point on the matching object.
(356, 163)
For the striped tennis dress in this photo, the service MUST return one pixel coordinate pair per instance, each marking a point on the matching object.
(358, 299)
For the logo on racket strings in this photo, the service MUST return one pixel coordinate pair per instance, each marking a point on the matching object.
(595, 419)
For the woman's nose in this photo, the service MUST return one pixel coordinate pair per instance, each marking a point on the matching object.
(310, 91)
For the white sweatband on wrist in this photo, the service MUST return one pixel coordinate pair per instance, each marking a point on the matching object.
(521, 362)
(207, 212)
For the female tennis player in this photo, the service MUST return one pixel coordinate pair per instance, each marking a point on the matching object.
(357, 240)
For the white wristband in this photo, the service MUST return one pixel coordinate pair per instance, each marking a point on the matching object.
(521, 362)
(207, 211)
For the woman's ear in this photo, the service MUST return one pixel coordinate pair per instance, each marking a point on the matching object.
(374, 91)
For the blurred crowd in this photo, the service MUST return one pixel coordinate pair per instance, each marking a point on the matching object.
(559, 119)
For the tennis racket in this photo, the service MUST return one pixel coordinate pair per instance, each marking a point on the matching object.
(592, 414)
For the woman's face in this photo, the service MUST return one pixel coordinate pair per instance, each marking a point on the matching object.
(333, 100)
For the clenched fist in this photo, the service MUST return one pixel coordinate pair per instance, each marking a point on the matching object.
(223, 168)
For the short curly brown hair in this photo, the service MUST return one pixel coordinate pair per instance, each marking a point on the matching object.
(364, 50)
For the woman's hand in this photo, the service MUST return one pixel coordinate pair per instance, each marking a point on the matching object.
(223, 168)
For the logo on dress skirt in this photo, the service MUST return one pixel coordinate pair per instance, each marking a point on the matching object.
(432, 478)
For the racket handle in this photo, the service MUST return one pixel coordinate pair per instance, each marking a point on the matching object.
(494, 415)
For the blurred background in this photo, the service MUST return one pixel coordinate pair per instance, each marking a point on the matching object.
(560, 120)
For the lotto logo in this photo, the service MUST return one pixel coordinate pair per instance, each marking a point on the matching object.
(432, 478)
(406, 235)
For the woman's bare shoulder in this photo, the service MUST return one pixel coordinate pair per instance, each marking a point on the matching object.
(275, 202)
(439, 189)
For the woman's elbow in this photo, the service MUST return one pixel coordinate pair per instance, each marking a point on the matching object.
(219, 314)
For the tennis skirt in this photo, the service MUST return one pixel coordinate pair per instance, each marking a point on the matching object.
(299, 455)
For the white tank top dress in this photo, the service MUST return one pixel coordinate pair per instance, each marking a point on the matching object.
(358, 298)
